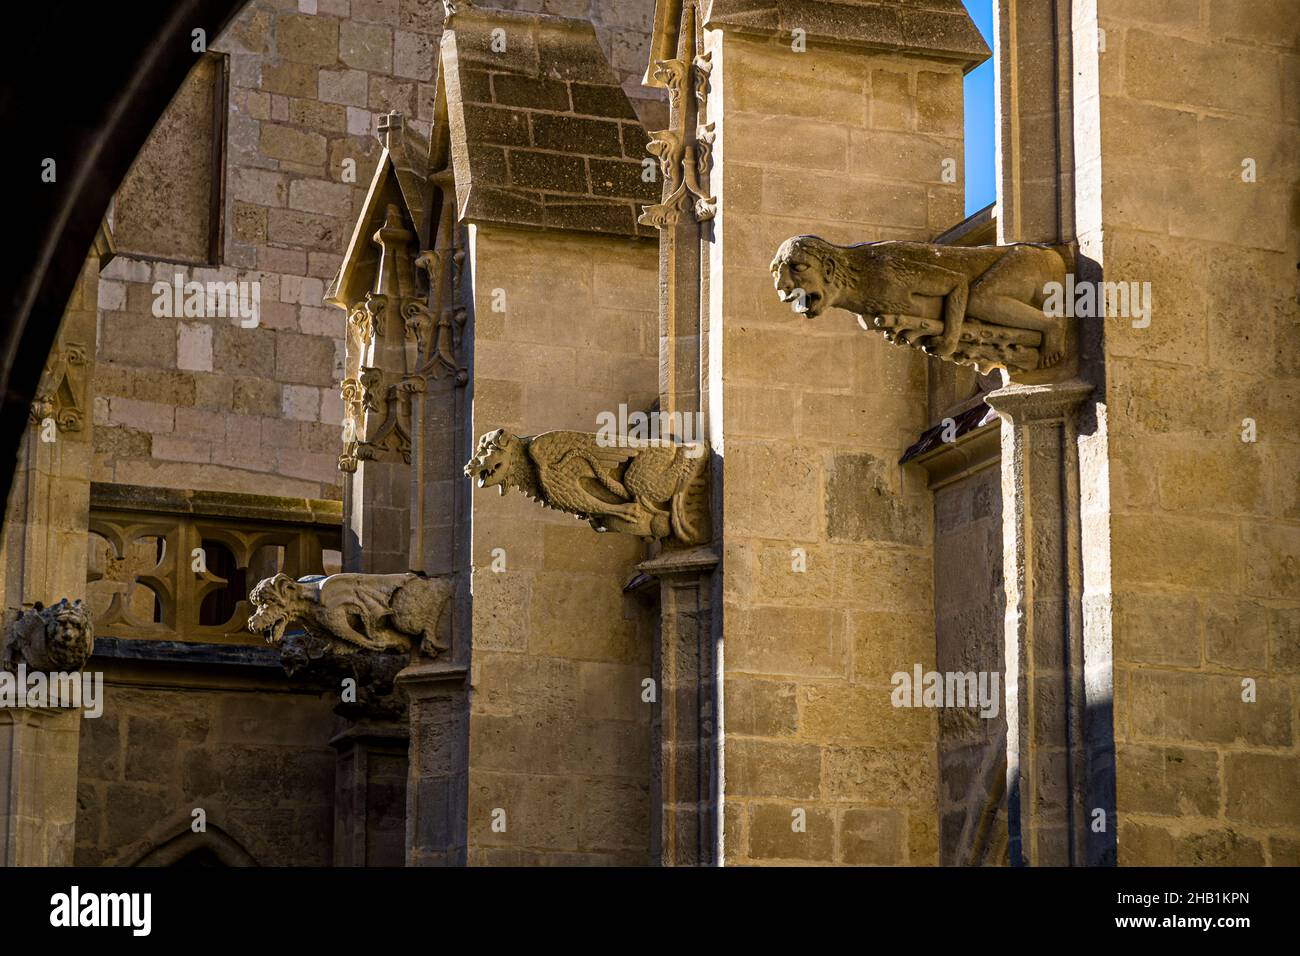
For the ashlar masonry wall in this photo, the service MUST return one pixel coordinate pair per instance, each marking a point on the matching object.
(559, 733)
(814, 416)
(1198, 171)
(200, 402)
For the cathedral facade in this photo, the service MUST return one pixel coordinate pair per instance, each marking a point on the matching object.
(593, 433)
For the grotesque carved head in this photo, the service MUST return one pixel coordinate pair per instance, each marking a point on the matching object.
(805, 271)
(494, 459)
(69, 635)
(57, 638)
(276, 601)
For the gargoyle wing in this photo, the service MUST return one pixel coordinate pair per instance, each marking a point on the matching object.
(577, 472)
(370, 593)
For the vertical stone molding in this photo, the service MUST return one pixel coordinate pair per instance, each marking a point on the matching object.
(437, 782)
(1034, 114)
(43, 557)
(686, 771)
(38, 786)
(684, 151)
(1051, 710)
(369, 782)
(39, 745)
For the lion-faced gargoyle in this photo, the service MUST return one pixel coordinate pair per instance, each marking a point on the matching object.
(654, 490)
(973, 305)
(375, 612)
(55, 638)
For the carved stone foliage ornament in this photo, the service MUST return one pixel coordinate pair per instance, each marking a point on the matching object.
(973, 305)
(60, 395)
(655, 490)
(396, 341)
(373, 612)
(55, 638)
(376, 398)
(685, 151)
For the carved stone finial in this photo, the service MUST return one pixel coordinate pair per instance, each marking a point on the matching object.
(374, 612)
(973, 305)
(390, 128)
(655, 490)
(56, 638)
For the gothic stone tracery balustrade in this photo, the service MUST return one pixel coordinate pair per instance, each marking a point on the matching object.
(145, 579)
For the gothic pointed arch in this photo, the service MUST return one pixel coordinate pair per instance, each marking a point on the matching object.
(213, 847)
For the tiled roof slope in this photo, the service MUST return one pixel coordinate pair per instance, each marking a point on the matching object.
(541, 133)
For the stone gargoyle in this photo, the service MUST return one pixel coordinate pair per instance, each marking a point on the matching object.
(376, 612)
(973, 305)
(55, 638)
(652, 489)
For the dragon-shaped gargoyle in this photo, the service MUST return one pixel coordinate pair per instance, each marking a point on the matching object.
(652, 489)
(375, 612)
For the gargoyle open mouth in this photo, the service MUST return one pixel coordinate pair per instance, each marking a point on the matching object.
(269, 624)
(487, 476)
(807, 304)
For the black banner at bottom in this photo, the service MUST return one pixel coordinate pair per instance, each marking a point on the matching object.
(652, 906)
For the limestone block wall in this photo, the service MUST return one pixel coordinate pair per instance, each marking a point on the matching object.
(559, 735)
(969, 610)
(199, 402)
(1204, 527)
(250, 754)
(812, 419)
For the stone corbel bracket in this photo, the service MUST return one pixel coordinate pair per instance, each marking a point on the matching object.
(60, 395)
(327, 664)
(404, 613)
(981, 306)
(656, 490)
(55, 638)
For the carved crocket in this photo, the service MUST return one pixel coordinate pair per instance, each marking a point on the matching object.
(376, 612)
(654, 490)
(974, 305)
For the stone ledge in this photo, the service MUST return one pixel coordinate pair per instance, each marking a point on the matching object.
(976, 445)
(109, 496)
(938, 29)
(181, 652)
